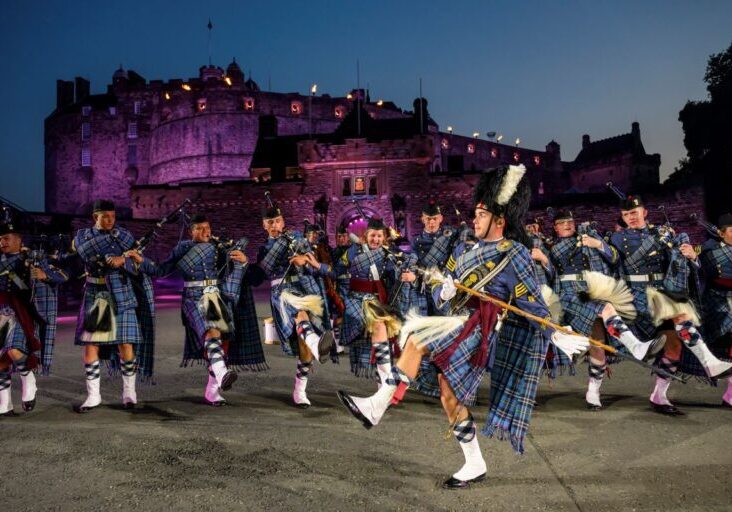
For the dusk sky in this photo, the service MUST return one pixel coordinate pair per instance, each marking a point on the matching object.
(534, 70)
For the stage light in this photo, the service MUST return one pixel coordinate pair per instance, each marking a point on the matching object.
(499, 138)
(186, 87)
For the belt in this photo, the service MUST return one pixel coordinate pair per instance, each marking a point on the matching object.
(359, 285)
(276, 282)
(571, 277)
(201, 284)
(722, 283)
(95, 280)
(644, 278)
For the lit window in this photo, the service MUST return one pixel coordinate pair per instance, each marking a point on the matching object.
(86, 110)
(541, 188)
(85, 156)
(494, 152)
(359, 185)
(132, 130)
(516, 156)
(340, 112)
(249, 104)
(201, 105)
(137, 107)
(296, 108)
(537, 160)
(445, 144)
(471, 148)
(85, 131)
(112, 111)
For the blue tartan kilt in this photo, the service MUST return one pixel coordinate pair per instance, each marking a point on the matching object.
(717, 316)
(354, 322)
(427, 382)
(359, 355)
(195, 320)
(285, 325)
(578, 314)
(643, 326)
(128, 327)
(410, 299)
(462, 376)
(15, 337)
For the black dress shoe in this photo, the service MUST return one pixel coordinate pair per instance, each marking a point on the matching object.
(724, 374)
(325, 345)
(301, 406)
(593, 407)
(229, 378)
(8, 414)
(668, 410)
(454, 483)
(353, 409)
(216, 403)
(29, 405)
(725, 405)
(81, 409)
(657, 345)
(127, 406)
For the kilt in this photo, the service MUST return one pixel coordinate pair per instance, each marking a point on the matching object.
(196, 325)
(463, 377)
(14, 337)
(643, 326)
(359, 355)
(426, 381)
(353, 326)
(245, 349)
(578, 314)
(128, 327)
(285, 325)
(717, 314)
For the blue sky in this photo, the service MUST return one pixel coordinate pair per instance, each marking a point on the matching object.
(534, 70)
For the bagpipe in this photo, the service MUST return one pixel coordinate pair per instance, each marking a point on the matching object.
(710, 228)
(142, 243)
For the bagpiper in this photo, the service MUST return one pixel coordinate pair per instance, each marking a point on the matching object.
(464, 345)
(657, 264)
(28, 308)
(593, 301)
(716, 259)
(297, 298)
(108, 322)
(214, 288)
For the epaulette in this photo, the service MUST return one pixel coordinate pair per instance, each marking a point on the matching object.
(450, 265)
(504, 245)
(698, 249)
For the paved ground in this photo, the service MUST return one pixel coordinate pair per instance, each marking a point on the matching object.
(260, 453)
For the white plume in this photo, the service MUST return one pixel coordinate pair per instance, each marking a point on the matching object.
(510, 183)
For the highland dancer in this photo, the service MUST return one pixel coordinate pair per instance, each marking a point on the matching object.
(369, 322)
(208, 303)
(108, 321)
(27, 317)
(593, 302)
(464, 346)
(658, 265)
(716, 259)
(297, 299)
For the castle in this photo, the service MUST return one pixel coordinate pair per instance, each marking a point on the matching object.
(221, 141)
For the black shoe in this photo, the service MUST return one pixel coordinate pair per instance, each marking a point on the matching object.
(229, 378)
(724, 374)
(593, 407)
(657, 345)
(325, 345)
(725, 405)
(454, 483)
(353, 409)
(216, 403)
(29, 405)
(81, 409)
(301, 406)
(128, 405)
(8, 414)
(668, 410)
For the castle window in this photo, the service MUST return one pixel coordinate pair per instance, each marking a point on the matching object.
(137, 107)
(132, 154)
(85, 131)
(201, 105)
(471, 148)
(541, 188)
(346, 186)
(248, 104)
(86, 111)
(445, 144)
(359, 185)
(112, 111)
(132, 130)
(85, 156)
(537, 160)
(494, 152)
(372, 186)
(296, 108)
(340, 112)
(516, 156)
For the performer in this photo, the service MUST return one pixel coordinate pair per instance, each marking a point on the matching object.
(545, 272)
(716, 260)
(27, 317)
(208, 304)
(297, 299)
(369, 322)
(657, 264)
(108, 321)
(593, 302)
(463, 346)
